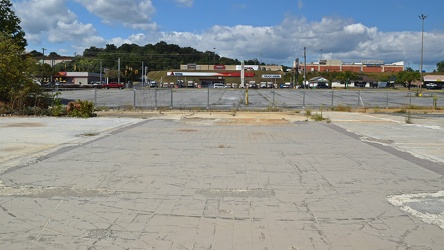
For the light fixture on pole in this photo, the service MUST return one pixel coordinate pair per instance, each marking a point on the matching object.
(422, 17)
(214, 56)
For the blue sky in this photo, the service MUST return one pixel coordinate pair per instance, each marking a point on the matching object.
(271, 31)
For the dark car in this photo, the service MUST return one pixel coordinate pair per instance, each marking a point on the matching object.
(322, 85)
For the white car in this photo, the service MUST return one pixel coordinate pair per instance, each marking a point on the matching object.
(218, 85)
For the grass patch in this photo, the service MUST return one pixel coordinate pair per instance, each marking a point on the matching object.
(317, 117)
(408, 118)
(401, 111)
(90, 134)
(342, 108)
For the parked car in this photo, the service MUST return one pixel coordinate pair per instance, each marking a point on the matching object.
(432, 86)
(322, 85)
(152, 84)
(113, 85)
(219, 85)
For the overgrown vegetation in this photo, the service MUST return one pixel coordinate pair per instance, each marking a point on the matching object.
(408, 118)
(342, 108)
(83, 109)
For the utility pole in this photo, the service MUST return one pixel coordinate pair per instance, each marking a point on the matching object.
(296, 69)
(43, 59)
(143, 82)
(43, 63)
(118, 70)
(422, 17)
(100, 73)
(305, 66)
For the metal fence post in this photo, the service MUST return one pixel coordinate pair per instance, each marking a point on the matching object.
(134, 101)
(332, 97)
(208, 98)
(155, 98)
(171, 98)
(274, 98)
(387, 100)
(359, 97)
(95, 97)
(410, 97)
(303, 100)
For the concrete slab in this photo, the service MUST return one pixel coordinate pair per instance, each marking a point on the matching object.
(231, 181)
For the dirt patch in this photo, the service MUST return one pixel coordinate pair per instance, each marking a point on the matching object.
(253, 121)
(24, 125)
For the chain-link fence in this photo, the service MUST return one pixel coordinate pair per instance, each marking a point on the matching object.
(253, 99)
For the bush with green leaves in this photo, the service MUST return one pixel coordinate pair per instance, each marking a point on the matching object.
(79, 108)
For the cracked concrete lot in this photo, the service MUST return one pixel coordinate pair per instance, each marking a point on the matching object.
(222, 181)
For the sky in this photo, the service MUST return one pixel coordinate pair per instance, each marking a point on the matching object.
(274, 32)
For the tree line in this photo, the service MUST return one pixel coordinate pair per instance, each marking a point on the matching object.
(154, 57)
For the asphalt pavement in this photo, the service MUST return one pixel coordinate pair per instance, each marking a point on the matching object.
(222, 181)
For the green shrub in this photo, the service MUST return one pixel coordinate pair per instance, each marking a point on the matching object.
(317, 117)
(83, 109)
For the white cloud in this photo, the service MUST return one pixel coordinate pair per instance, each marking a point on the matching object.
(337, 38)
(185, 3)
(69, 31)
(53, 21)
(134, 14)
(40, 16)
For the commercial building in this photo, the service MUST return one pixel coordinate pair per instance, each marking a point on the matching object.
(77, 77)
(365, 66)
(222, 67)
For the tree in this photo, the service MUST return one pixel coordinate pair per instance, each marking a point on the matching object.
(10, 24)
(440, 66)
(17, 88)
(407, 77)
(53, 55)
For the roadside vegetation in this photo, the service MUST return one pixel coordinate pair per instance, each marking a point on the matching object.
(19, 93)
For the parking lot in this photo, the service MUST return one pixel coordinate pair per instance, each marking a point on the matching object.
(209, 180)
(254, 99)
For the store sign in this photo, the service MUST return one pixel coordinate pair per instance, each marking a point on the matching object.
(218, 74)
(270, 76)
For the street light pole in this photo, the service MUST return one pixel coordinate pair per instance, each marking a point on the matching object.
(422, 17)
(305, 67)
(43, 63)
(214, 56)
